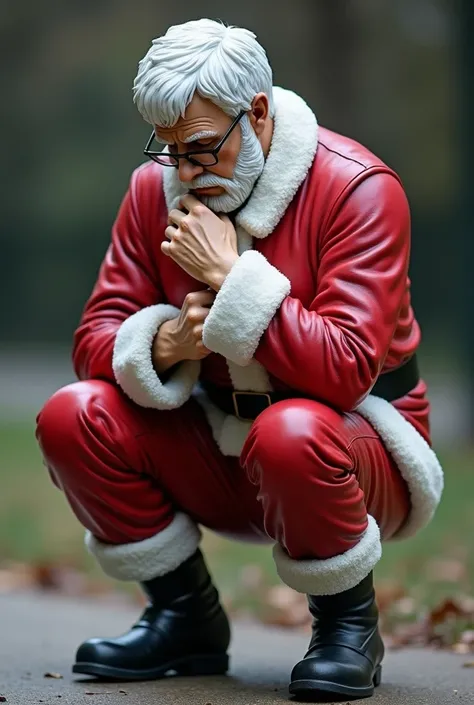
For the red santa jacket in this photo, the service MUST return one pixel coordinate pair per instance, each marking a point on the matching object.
(319, 300)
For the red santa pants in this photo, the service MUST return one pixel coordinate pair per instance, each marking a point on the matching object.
(307, 477)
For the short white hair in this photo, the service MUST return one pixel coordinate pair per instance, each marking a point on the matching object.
(224, 64)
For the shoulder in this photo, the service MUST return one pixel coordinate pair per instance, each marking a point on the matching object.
(338, 150)
(146, 197)
(147, 182)
(344, 168)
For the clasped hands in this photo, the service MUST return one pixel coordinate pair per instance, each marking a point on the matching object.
(205, 246)
(200, 242)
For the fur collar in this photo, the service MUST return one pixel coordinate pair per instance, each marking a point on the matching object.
(292, 152)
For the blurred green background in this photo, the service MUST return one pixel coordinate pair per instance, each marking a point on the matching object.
(397, 76)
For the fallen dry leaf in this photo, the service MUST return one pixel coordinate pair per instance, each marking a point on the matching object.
(468, 664)
(413, 634)
(461, 649)
(467, 637)
(388, 593)
(52, 675)
(446, 610)
(285, 608)
(406, 606)
(15, 576)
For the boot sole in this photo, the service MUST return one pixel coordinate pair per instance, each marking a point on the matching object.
(308, 689)
(201, 665)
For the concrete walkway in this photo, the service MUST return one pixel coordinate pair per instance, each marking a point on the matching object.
(38, 634)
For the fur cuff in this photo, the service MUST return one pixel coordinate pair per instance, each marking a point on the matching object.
(417, 462)
(133, 367)
(249, 298)
(333, 575)
(150, 558)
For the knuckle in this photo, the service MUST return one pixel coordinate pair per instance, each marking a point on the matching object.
(190, 299)
(207, 297)
(192, 314)
(197, 210)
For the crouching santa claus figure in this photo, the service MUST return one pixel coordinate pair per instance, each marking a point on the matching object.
(246, 363)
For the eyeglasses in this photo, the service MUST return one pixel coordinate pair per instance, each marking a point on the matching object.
(201, 157)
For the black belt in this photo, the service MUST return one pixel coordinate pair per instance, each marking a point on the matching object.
(248, 405)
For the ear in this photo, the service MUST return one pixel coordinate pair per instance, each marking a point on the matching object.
(259, 113)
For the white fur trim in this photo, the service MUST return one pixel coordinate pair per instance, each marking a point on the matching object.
(416, 461)
(243, 308)
(293, 148)
(150, 558)
(133, 367)
(333, 575)
(252, 378)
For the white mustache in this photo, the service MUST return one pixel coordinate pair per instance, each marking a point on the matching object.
(208, 180)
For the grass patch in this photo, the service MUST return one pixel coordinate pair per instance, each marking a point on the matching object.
(37, 525)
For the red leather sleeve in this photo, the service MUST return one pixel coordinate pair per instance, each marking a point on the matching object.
(335, 349)
(127, 282)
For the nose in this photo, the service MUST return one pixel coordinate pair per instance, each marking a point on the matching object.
(187, 171)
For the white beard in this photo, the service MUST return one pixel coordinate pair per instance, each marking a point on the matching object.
(248, 168)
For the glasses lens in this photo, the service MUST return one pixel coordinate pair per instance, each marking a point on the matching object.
(165, 159)
(204, 158)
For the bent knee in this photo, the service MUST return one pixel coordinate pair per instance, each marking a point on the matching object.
(62, 420)
(294, 429)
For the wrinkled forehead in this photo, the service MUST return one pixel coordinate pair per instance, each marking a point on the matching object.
(202, 119)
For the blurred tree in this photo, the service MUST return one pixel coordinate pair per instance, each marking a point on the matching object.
(466, 204)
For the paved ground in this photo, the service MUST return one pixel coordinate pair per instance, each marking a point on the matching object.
(38, 634)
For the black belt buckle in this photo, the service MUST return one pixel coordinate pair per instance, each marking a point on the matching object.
(257, 408)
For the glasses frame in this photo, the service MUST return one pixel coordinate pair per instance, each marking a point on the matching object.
(189, 155)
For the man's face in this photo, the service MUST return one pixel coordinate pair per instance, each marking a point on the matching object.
(226, 185)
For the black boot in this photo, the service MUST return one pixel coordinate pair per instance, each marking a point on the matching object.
(346, 649)
(184, 630)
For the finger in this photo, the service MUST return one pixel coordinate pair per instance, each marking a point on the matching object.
(197, 314)
(171, 232)
(202, 348)
(189, 202)
(204, 298)
(199, 298)
(197, 332)
(165, 248)
(225, 219)
(176, 216)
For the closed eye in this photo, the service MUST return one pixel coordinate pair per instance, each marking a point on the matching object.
(201, 144)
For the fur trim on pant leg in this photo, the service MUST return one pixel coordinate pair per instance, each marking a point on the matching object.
(332, 575)
(150, 558)
(417, 462)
